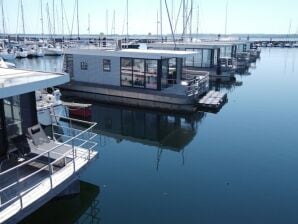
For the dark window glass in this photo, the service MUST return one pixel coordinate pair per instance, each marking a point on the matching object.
(84, 65)
(106, 65)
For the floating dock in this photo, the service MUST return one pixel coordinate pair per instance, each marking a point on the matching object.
(213, 100)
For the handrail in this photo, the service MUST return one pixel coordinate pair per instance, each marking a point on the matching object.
(64, 143)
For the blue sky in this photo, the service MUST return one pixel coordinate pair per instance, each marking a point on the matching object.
(253, 16)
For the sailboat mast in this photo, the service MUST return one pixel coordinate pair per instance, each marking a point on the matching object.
(54, 28)
(107, 22)
(62, 22)
(198, 21)
(127, 21)
(226, 22)
(89, 24)
(41, 20)
(23, 21)
(78, 22)
(3, 18)
(161, 19)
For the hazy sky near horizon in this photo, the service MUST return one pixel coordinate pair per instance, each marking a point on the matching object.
(253, 16)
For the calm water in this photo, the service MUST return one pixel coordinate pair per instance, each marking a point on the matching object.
(237, 166)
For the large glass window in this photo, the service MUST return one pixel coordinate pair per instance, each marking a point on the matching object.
(13, 119)
(151, 74)
(206, 58)
(190, 59)
(126, 71)
(164, 73)
(198, 58)
(138, 73)
(172, 77)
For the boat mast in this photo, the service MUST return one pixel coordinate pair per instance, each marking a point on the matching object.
(157, 25)
(23, 21)
(62, 22)
(169, 17)
(89, 24)
(3, 18)
(184, 17)
(127, 22)
(107, 22)
(41, 20)
(161, 20)
(49, 21)
(54, 28)
(226, 22)
(198, 21)
(191, 17)
(78, 22)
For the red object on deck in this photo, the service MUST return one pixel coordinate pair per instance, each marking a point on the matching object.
(80, 112)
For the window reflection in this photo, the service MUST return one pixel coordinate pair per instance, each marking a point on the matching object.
(151, 74)
(138, 73)
(126, 71)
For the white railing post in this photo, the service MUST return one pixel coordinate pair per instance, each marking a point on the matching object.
(50, 170)
(19, 189)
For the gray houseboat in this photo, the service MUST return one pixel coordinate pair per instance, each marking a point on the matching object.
(146, 78)
(35, 166)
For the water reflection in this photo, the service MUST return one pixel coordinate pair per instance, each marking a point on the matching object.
(153, 128)
(81, 208)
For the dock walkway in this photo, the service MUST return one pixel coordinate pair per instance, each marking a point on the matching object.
(213, 100)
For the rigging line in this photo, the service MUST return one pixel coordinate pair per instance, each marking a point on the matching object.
(177, 19)
(169, 17)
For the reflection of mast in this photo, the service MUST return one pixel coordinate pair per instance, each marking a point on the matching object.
(159, 152)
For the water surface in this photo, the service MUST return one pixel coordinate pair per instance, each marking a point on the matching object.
(237, 166)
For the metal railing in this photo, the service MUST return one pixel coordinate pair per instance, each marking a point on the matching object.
(21, 179)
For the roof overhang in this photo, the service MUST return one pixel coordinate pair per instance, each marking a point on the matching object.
(132, 53)
(15, 82)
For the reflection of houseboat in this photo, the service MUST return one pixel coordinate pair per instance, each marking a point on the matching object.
(35, 167)
(154, 128)
(145, 78)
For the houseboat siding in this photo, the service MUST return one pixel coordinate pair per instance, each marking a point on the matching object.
(132, 97)
(94, 72)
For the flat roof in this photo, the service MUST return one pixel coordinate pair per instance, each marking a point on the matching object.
(199, 44)
(133, 53)
(15, 82)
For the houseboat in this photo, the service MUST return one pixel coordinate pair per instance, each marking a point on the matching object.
(34, 166)
(145, 78)
(211, 56)
(220, 58)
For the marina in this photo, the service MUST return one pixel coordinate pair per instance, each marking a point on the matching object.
(148, 112)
